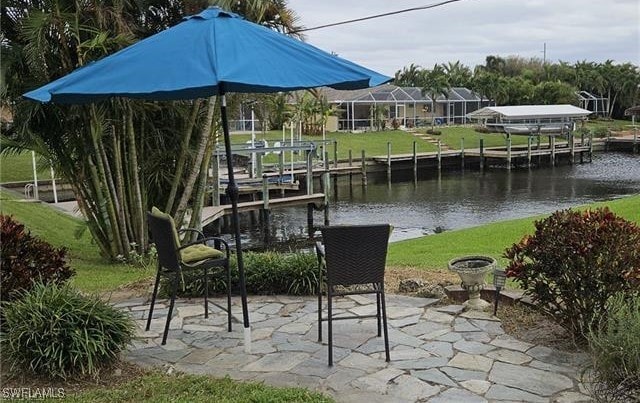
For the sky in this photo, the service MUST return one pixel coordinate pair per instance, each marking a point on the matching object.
(469, 30)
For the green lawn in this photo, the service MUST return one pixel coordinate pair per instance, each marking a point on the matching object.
(93, 274)
(616, 124)
(453, 135)
(434, 251)
(156, 387)
(374, 143)
(19, 168)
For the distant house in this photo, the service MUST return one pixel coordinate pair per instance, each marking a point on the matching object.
(530, 119)
(356, 110)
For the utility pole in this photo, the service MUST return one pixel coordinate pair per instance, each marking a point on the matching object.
(544, 54)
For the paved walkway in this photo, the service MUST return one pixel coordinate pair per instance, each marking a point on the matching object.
(439, 353)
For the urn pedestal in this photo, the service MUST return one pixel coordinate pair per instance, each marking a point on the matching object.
(472, 270)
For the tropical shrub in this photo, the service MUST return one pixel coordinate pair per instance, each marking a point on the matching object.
(265, 273)
(574, 262)
(600, 132)
(614, 345)
(26, 258)
(55, 331)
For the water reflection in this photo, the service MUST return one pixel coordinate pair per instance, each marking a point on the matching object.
(416, 205)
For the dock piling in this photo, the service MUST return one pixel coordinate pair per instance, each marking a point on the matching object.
(509, 152)
(388, 158)
(439, 155)
(481, 154)
(335, 153)
(462, 153)
(415, 157)
(529, 151)
(364, 170)
(572, 151)
(309, 173)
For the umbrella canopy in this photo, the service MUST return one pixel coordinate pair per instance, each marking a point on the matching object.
(208, 54)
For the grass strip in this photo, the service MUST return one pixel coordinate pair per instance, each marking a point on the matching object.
(155, 387)
(434, 251)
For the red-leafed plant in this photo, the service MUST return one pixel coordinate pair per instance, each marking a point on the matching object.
(574, 262)
(26, 259)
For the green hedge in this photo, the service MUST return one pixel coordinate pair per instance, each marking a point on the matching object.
(265, 272)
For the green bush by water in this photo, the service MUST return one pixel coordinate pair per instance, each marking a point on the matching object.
(614, 345)
(55, 331)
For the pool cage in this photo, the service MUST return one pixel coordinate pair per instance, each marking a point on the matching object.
(388, 105)
(596, 104)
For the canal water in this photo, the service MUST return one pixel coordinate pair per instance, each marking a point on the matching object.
(435, 202)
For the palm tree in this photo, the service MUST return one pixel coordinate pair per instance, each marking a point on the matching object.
(409, 76)
(458, 75)
(434, 83)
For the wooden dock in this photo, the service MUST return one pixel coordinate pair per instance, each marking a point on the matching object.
(509, 154)
(213, 213)
(626, 143)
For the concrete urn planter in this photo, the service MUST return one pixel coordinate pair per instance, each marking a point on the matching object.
(472, 270)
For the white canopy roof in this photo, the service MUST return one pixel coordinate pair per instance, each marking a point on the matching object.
(529, 112)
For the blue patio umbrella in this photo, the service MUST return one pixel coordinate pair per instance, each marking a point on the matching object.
(211, 53)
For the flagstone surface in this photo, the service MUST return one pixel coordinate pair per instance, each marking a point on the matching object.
(438, 353)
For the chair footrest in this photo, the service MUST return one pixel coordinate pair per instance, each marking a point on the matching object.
(350, 317)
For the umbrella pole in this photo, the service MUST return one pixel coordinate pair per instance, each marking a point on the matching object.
(232, 193)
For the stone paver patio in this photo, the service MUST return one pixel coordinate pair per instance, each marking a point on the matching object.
(438, 353)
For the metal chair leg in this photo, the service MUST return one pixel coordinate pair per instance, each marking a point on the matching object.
(153, 299)
(206, 292)
(329, 327)
(320, 307)
(378, 310)
(228, 296)
(384, 319)
(174, 291)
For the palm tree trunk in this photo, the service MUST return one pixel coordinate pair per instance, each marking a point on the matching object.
(116, 202)
(198, 197)
(100, 178)
(195, 168)
(184, 151)
(139, 213)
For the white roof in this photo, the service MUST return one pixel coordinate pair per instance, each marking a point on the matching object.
(529, 112)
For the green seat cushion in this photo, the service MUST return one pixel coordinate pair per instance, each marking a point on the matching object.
(160, 214)
(196, 253)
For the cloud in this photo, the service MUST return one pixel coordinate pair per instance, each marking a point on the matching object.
(469, 30)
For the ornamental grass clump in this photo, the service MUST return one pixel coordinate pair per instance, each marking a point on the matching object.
(574, 262)
(614, 345)
(55, 331)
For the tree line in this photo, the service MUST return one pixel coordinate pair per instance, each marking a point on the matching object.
(516, 80)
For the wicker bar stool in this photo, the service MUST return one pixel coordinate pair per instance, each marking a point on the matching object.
(353, 255)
